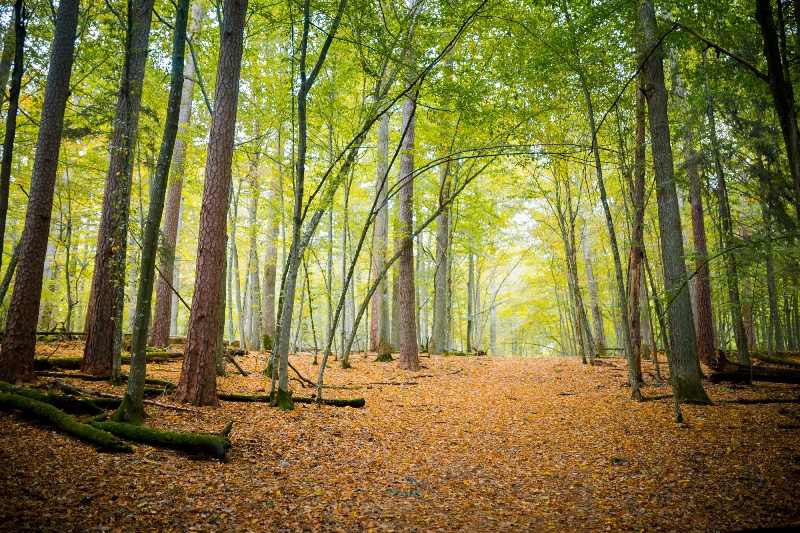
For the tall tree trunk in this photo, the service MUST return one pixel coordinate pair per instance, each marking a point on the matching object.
(493, 318)
(132, 407)
(253, 298)
(635, 275)
(7, 57)
(731, 267)
(271, 261)
(176, 282)
(106, 300)
(707, 348)
(782, 93)
(470, 300)
(441, 324)
(160, 332)
(382, 343)
(683, 339)
(198, 383)
(409, 351)
(774, 329)
(19, 26)
(19, 342)
(594, 297)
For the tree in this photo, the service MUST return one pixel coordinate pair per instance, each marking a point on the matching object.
(381, 328)
(197, 383)
(132, 408)
(101, 355)
(683, 340)
(159, 333)
(11, 117)
(19, 342)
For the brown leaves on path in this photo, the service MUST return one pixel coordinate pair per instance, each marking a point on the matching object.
(475, 444)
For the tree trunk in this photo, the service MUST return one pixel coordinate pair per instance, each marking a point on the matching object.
(683, 339)
(409, 351)
(723, 204)
(254, 292)
(270, 274)
(707, 348)
(470, 300)
(782, 93)
(441, 324)
(635, 274)
(103, 317)
(132, 407)
(381, 329)
(198, 378)
(160, 332)
(11, 117)
(19, 342)
(7, 57)
(594, 297)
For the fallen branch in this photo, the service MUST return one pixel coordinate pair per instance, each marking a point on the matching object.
(57, 418)
(86, 377)
(150, 402)
(775, 359)
(212, 446)
(302, 378)
(69, 404)
(393, 383)
(754, 401)
(75, 363)
(230, 358)
(356, 402)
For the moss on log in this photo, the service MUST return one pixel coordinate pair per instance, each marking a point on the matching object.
(85, 377)
(356, 402)
(69, 404)
(57, 418)
(212, 446)
(75, 363)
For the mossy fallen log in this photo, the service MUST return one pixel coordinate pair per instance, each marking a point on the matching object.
(212, 446)
(57, 418)
(69, 404)
(85, 377)
(756, 401)
(75, 363)
(356, 402)
(776, 359)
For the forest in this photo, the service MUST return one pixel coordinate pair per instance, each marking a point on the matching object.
(419, 265)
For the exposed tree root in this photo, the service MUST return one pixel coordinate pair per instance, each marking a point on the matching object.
(356, 402)
(57, 418)
(212, 446)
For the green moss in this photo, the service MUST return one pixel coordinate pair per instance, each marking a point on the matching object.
(57, 418)
(64, 363)
(283, 399)
(213, 446)
(128, 412)
(384, 358)
(266, 342)
(688, 392)
(64, 402)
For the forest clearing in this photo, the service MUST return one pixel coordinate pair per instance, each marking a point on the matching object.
(466, 444)
(399, 265)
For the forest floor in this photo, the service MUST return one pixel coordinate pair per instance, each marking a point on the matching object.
(466, 444)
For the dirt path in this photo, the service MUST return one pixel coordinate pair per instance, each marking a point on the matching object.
(477, 444)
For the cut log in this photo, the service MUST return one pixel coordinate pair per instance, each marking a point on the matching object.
(356, 402)
(69, 404)
(57, 418)
(212, 446)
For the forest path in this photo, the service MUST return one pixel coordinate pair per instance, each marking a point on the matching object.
(476, 444)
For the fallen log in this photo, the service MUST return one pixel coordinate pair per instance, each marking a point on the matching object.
(775, 359)
(356, 402)
(124, 377)
(212, 446)
(755, 401)
(737, 373)
(119, 398)
(75, 363)
(57, 418)
(69, 404)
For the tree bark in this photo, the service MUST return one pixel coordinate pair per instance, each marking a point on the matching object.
(635, 273)
(132, 408)
(782, 93)
(683, 339)
(19, 342)
(7, 57)
(381, 331)
(409, 351)
(270, 265)
(441, 323)
(594, 297)
(20, 29)
(104, 315)
(707, 348)
(197, 383)
(160, 332)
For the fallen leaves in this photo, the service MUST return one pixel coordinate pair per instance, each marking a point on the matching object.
(485, 443)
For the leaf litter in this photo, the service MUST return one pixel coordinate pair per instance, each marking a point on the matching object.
(466, 444)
